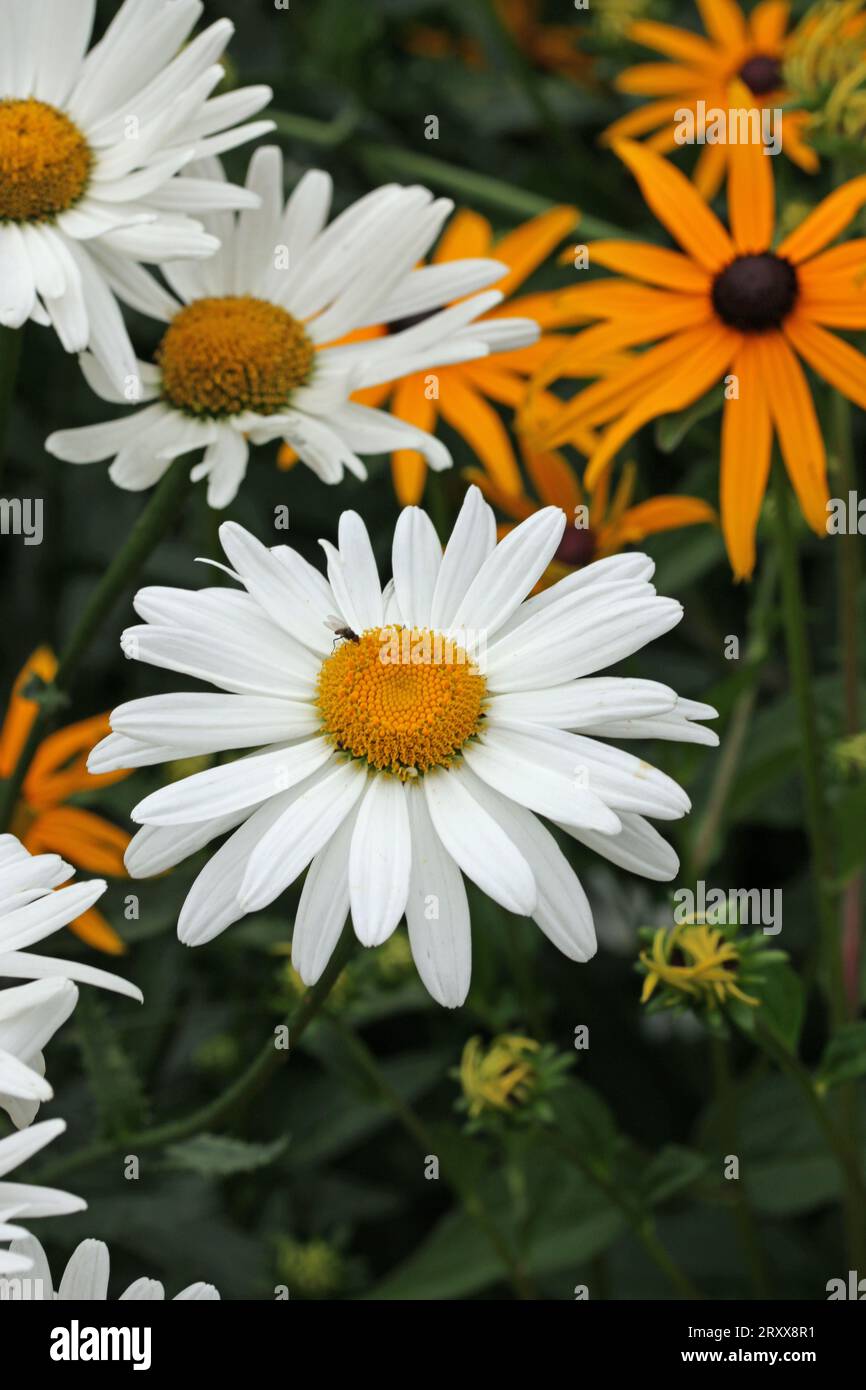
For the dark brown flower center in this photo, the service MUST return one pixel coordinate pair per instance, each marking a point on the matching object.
(761, 74)
(755, 293)
(577, 546)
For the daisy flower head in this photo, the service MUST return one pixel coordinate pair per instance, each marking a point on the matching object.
(733, 305)
(85, 1278)
(738, 62)
(468, 392)
(44, 820)
(34, 904)
(92, 145)
(21, 1201)
(402, 737)
(254, 352)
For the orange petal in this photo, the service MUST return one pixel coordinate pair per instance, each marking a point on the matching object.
(795, 137)
(724, 22)
(85, 839)
(659, 79)
(796, 425)
(524, 249)
(677, 388)
(746, 450)
(674, 43)
(647, 117)
(469, 414)
(554, 480)
(768, 22)
(836, 361)
(92, 928)
(21, 713)
(710, 170)
(751, 198)
(678, 206)
(664, 513)
(825, 223)
(408, 467)
(59, 768)
(467, 234)
(670, 269)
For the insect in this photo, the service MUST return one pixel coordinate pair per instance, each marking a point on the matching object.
(340, 629)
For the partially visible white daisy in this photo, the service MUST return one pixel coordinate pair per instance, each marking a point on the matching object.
(256, 350)
(22, 1201)
(389, 760)
(33, 905)
(91, 149)
(85, 1278)
(29, 1017)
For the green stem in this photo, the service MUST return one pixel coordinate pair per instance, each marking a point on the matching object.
(640, 1221)
(473, 1204)
(10, 358)
(757, 650)
(746, 1225)
(148, 530)
(817, 815)
(269, 1060)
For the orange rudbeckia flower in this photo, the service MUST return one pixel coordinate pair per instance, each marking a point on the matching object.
(466, 390)
(740, 57)
(602, 524)
(42, 820)
(729, 302)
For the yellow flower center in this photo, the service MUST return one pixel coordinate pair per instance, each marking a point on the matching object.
(45, 162)
(404, 699)
(226, 356)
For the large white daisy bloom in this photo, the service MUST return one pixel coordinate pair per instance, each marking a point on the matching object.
(85, 1278)
(33, 906)
(390, 762)
(20, 1201)
(255, 351)
(91, 146)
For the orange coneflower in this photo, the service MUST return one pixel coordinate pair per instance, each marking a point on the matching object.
(553, 47)
(42, 820)
(601, 524)
(731, 303)
(466, 390)
(739, 52)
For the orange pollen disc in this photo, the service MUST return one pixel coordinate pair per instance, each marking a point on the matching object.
(45, 162)
(225, 356)
(403, 699)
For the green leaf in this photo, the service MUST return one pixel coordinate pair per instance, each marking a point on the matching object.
(671, 430)
(844, 1057)
(780, 991)
(114, 1082)
(220, 1156)
(673, 1169)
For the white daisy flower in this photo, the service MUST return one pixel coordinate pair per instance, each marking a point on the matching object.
(33, 905)
(21, 1201)
(389, 761)
(91, 146)
(85, 1278)
(256, 352)
(29, 1017)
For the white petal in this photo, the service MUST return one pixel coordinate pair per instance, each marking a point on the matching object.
(221, 790)
(353, 575)
(585, 704)
(324, 905)
(437, 911)
(290, 591)
(85, 1278)
(478, 844)
(416, 560)
(507, 576)
(471, 543)
(306, 822)
(379, 861)
(213, 723)
(638, 847)
(551, 781)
